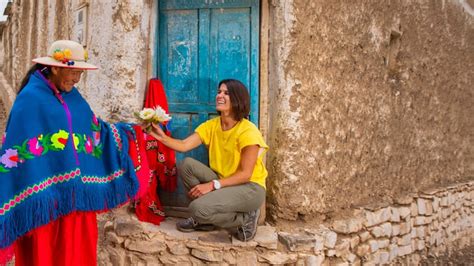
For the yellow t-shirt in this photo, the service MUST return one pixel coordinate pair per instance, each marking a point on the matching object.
(225, 147)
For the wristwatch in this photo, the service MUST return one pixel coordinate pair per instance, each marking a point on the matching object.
(217, 184)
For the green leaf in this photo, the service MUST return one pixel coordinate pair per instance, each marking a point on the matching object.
(3, 169)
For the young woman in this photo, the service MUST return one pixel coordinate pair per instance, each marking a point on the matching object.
(229, 192)
(59, 165)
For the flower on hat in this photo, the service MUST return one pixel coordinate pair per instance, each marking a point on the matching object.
(64, 56)
(86, 55)
(58, 55)
(67, 54)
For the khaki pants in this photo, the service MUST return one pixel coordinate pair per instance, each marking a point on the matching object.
(226, 207)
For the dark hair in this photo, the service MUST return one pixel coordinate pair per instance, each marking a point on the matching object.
(239, 98)
(46, 70)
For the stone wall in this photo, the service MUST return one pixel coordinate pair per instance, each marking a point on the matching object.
(418, 225)
(369, 99)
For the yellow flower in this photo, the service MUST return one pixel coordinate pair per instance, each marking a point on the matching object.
(86, 55)
(58, 55)
(67, 53)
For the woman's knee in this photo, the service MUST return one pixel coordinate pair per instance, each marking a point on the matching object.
(186, 164)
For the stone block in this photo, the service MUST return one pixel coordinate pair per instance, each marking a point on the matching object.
(355, 240)
(377, 217)
(364, 236)
(414, 209)
(347, 226)
(435, 204)
(168, 259)
(363, 250)
(420, 220)
(330, 253)
(323, 233)
(384, 257)
(405, 250)
(395, 215)
(146, 247)
(444, 202)
(376, 231)
(267, 237)
(177, 248)
(342, 246)
(383, 243)
(313, 260)
(420, 244)
(208, 255)
(246, 258)
(387, 229)
(421, 203)
(404, 240)
(112, 237)
(373, 258)
(349, 257)
(395, 230)
(116, 255)
(393, 250)
(298, 241)
(404, 212)
(429, 207)
(275, 257)
(420, 231)
(374, 245)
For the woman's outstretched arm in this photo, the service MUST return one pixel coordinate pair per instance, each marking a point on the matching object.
(187, 144)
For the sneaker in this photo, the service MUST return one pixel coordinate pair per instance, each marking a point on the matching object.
(247, 231)
(189, 225)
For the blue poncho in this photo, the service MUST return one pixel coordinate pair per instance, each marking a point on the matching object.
(50, 167)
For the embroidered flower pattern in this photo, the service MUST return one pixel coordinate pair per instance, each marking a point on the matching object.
(59, 139)
(38, 146)
(88, 144)
(34, 146)
(10, 158)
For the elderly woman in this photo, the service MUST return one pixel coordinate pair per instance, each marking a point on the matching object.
(59, 165)
(229, 193)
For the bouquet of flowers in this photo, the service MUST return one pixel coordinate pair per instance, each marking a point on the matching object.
(149, 115)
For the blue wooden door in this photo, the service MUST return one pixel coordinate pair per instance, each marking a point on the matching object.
(200, 43)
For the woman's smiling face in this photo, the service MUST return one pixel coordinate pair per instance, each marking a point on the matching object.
(223, 103)
(66, 78)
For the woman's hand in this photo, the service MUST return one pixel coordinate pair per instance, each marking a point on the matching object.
(157, 132)
(200, 190)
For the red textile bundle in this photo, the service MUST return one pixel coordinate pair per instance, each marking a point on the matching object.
(161, 161)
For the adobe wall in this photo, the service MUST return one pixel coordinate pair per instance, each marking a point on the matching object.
(118, 41)
(370, 100)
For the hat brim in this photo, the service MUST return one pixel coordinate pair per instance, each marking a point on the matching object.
(48, 61)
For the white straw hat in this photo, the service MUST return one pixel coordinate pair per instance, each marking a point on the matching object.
(68, 54)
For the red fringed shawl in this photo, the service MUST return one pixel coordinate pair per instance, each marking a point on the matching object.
(161, 161)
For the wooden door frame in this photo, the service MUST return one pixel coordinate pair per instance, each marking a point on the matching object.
(152, 66)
